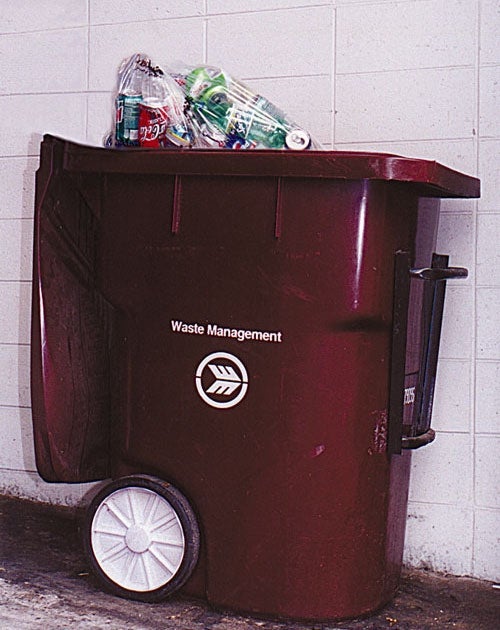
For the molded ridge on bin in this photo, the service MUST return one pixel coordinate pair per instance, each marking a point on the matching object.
(243, 327)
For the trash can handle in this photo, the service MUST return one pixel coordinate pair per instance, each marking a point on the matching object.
(435, 277)
(432, 312)
(417, 441)
(437, 273)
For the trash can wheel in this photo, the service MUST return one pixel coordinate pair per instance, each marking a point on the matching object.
(141, 537)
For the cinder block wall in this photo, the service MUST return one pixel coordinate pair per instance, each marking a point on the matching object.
(417, 77)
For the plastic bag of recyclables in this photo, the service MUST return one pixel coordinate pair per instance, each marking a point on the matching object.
(201, 107)
(149, 107)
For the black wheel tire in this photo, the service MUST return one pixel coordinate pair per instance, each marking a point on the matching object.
(161, 497)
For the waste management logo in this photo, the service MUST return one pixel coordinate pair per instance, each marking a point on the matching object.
(221, 380)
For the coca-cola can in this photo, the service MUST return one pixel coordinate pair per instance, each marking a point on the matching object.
(154, 121)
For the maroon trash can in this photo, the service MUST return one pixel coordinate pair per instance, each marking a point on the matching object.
(246, 344)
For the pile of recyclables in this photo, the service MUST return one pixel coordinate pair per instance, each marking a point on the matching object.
(198, 107)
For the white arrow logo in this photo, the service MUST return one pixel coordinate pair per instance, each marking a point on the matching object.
(227, 380)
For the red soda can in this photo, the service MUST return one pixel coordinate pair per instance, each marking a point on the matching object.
(154, 121)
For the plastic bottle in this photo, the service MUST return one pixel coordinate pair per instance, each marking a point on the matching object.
(128, 99)
(161, 118)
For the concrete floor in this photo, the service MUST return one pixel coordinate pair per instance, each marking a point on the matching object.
(45, 583)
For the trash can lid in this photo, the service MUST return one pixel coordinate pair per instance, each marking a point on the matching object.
(431, 178)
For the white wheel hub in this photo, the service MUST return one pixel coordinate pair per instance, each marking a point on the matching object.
(137, 539)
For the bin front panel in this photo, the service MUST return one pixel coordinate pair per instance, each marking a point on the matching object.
(292, 481)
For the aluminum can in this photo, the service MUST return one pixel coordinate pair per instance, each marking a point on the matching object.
(153, 123)
(158, 127)
(127, 119)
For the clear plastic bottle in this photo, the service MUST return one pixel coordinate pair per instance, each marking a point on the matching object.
(161, 118)
(128, 99)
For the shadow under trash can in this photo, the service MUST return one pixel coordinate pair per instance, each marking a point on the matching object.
(246, 344)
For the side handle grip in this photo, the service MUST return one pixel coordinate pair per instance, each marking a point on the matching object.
(417, 432)
(437, 273)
